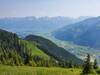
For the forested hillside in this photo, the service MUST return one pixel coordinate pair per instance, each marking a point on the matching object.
(38, 52)
(15, 51)
(52, 49)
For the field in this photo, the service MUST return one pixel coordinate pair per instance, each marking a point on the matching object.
(25, 70)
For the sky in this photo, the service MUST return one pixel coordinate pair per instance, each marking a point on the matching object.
(70, 8)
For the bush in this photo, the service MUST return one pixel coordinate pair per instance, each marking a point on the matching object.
(98, 71)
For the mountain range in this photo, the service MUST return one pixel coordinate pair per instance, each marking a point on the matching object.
(33, 25)
(71, 37)
(84, 33)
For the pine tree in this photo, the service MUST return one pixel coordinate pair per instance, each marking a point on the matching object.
(95, 65)
(87, 65)
(70, 65)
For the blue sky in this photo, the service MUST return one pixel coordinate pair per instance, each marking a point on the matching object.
(71, 8)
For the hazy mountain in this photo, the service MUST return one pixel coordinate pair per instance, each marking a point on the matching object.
(33, 25)
(86, 33)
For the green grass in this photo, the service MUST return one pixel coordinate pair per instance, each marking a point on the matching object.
(26, 70)
(35, 50)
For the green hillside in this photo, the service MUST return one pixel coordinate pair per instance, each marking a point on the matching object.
(52, 49)
(35, 49)
(15, 51)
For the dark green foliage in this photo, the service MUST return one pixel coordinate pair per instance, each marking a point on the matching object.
(87, 68)
(10, 50)
(95, 65)
(98, 71)
(70, 64)
(15, 51)
(66, 64)
(63, 64)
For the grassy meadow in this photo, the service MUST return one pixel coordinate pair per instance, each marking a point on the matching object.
(26, 70)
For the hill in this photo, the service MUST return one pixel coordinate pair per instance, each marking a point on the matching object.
(84, 33)
(15, 51)
(52, 49)
(38, 52)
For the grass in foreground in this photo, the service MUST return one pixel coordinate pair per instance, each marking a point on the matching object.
(25, 70)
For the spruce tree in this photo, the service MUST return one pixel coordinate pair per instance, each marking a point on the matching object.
(95, 65)
(87, 65)
(70, 65)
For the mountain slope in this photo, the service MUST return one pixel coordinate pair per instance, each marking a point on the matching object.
(15, 51)
(85, 33)
(52, 49)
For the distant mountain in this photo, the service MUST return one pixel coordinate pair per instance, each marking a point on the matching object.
(52, 49)
(31, 25)
(81, 18)
(86, 33)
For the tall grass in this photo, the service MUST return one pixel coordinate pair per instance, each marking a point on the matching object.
(26, 70)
